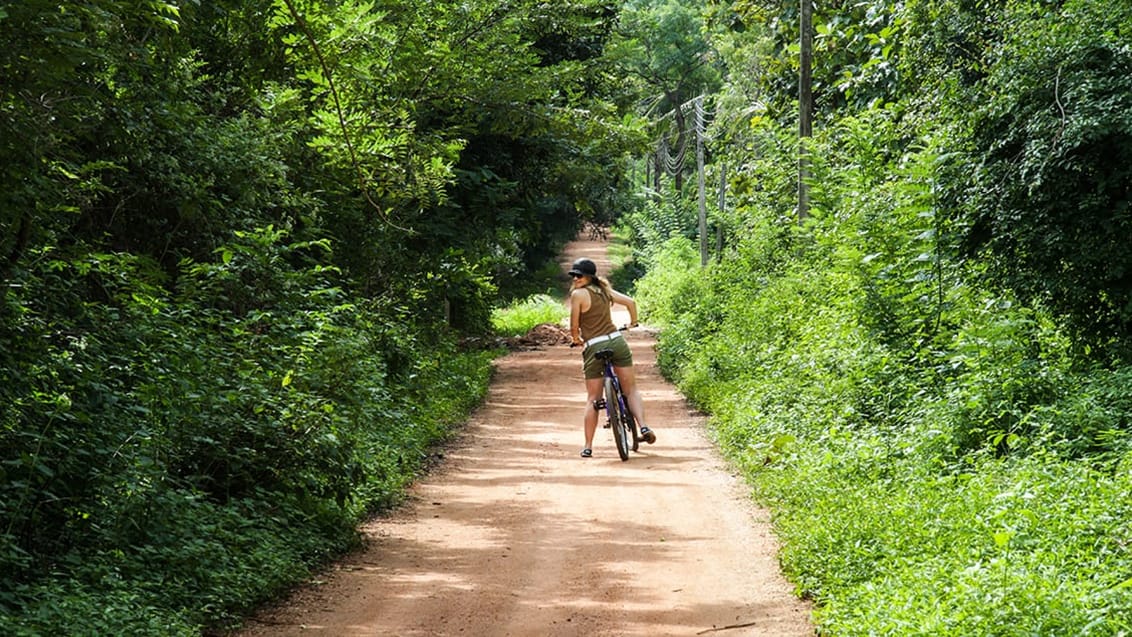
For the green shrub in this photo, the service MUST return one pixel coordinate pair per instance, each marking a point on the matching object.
(938, 457)
(187, 455)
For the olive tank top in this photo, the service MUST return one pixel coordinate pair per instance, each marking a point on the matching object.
(597, 320)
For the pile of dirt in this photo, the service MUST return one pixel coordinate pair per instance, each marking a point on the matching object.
(540, 336)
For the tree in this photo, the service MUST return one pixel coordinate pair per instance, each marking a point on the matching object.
(662, 44)
(1049, 203)
(239, 240)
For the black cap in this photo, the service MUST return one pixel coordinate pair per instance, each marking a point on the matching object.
(583, 266)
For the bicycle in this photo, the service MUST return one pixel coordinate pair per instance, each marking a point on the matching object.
(619, 417)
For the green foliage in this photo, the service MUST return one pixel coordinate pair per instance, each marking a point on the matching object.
(518, 318)
(856, 58)
(910, 379)
(950, 480)
(1007, 362)
(1006, 548)
(652, 224)
(662, 43)
(666, 301)
(1050, 142)
(625, 267)
(191, 453)
(662, 52)
(240, 240)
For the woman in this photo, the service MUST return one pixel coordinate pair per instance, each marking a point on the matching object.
(591, 299)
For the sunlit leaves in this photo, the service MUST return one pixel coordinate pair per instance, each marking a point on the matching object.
(955, 451)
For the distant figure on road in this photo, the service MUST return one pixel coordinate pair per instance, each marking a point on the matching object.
(591, 324)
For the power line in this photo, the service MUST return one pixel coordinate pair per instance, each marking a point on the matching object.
(673, 164)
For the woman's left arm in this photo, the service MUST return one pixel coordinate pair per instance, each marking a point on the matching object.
(629, 303)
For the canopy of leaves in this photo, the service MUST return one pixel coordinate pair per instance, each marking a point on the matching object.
(239, 241)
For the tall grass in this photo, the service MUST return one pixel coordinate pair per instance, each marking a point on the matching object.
(518, 318)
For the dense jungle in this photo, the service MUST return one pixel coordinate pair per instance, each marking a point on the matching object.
(256, 256)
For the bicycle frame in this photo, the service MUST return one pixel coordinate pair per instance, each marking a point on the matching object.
(622, 403)
(618, 414)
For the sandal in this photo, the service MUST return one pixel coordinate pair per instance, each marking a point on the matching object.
(587, 453)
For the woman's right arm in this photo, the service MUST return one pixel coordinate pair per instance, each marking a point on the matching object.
(578, 300)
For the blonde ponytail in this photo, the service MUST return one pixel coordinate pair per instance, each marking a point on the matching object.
(604, 286)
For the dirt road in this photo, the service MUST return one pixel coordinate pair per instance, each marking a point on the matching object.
(516, 535)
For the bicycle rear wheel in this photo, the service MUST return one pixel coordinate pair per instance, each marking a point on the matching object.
(620, 427)
(630, 421)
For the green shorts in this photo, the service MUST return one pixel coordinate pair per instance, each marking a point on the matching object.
(622, 356)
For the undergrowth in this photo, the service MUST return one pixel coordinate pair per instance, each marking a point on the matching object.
(173, 459)
(519, 317)
(907, 503)
(940, 457)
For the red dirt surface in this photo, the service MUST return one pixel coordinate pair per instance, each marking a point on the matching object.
(516, 535)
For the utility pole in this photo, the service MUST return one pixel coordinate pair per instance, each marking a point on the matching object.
(722, 207)
(805, 106)
(700, 180)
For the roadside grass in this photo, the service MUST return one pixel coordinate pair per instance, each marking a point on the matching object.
(990, 501)
(518, 318)
(1022, 546)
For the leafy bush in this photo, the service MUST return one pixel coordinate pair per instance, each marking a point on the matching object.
(655, 222)
(192, 453)
(940, 453)
(235, 269)
(980, 496)
(1050, 144)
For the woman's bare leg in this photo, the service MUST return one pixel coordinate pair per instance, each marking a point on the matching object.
(628, 378)
(595, 387)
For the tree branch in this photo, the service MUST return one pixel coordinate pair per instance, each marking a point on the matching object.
(363, 182)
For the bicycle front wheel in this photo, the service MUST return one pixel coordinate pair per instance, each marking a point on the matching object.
(620, 427)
